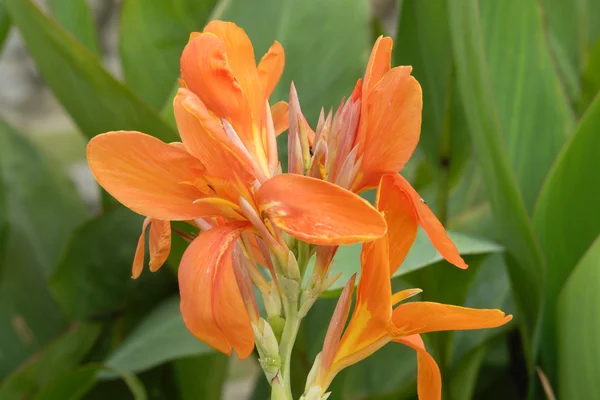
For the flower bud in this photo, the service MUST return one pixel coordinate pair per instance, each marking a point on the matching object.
(268, 348)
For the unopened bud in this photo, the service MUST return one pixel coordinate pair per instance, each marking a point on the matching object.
(268, 348)
(312, 375)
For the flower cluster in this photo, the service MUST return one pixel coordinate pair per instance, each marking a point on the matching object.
(259, 227)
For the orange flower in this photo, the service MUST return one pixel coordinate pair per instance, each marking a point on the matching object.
(224, 178)
(370, 138)
(375, 322)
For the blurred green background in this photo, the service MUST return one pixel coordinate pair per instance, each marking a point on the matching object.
(508, 159)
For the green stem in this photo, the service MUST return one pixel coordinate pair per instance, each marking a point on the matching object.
(288, 339)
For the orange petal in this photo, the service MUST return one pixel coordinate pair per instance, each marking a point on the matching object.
(390, 123)
(379, 63)
(270, 68)
(211, 303)
(279, 111)
(318, 212)
(368, 328)
(427, 219)
(400, 217)
(240, 57)
(206, 71)
(404, 294)
(204, 137)
(429, 381)
(334, 333)
(138, 259)
(147, 175)
(160, 243)
(423, 316)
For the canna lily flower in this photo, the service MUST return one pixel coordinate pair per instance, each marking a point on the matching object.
(372, 135)
(375, 322)
(224, 177)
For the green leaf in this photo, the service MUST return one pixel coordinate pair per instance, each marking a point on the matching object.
(95, 100)
(590, 79)
(93, 277)
(527, 94)
(566, 220)
(76, 18)
(5, 24)
(153, 34)
(71, 386)
(421, 255)
(567, 37)
(579, 330)
(201, 377)
(159, 338)
(526, 266)
(54, 360)
(39, 209)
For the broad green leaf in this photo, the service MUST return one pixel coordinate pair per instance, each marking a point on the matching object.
(5, 24)
(579, 330)
(567, 219)
(159, 338)
(527, 94)
(93, 278)
(590, 79)
(76, 18)
(423, 41)
(39, 209)
(71, 386)
(201, 377)
(153, 34)
(566, 33)
(421, 255)
(95, 100)
(526, 266)
(52, 362)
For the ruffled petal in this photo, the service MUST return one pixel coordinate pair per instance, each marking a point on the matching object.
(379, 63)
(427, 219)
(211, 303)
(390, 124)
(422, 316)
(429, 380)
(401, 219)
(270, 68)
(148, 176)
(318, 212)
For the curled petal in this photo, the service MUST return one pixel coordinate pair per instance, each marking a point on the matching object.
(279, 112)
(318, 212)
(390, 124)
(429, 380)
(270, 68)
(379, 63)
(160, 243)
(211, 304)
(427, 219)
(138, 259)
(401, 219)
(423, 316)
(334, 332)
(147, 175)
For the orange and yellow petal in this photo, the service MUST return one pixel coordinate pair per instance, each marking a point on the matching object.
(318, 212)
(390, 123)
(401, 219)
(270, 68)
(147, 175)
(138, 258)
(279, 113)
(429, 379)
(160, 243)
(422, 316)
(427, 219)
(211, 303)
